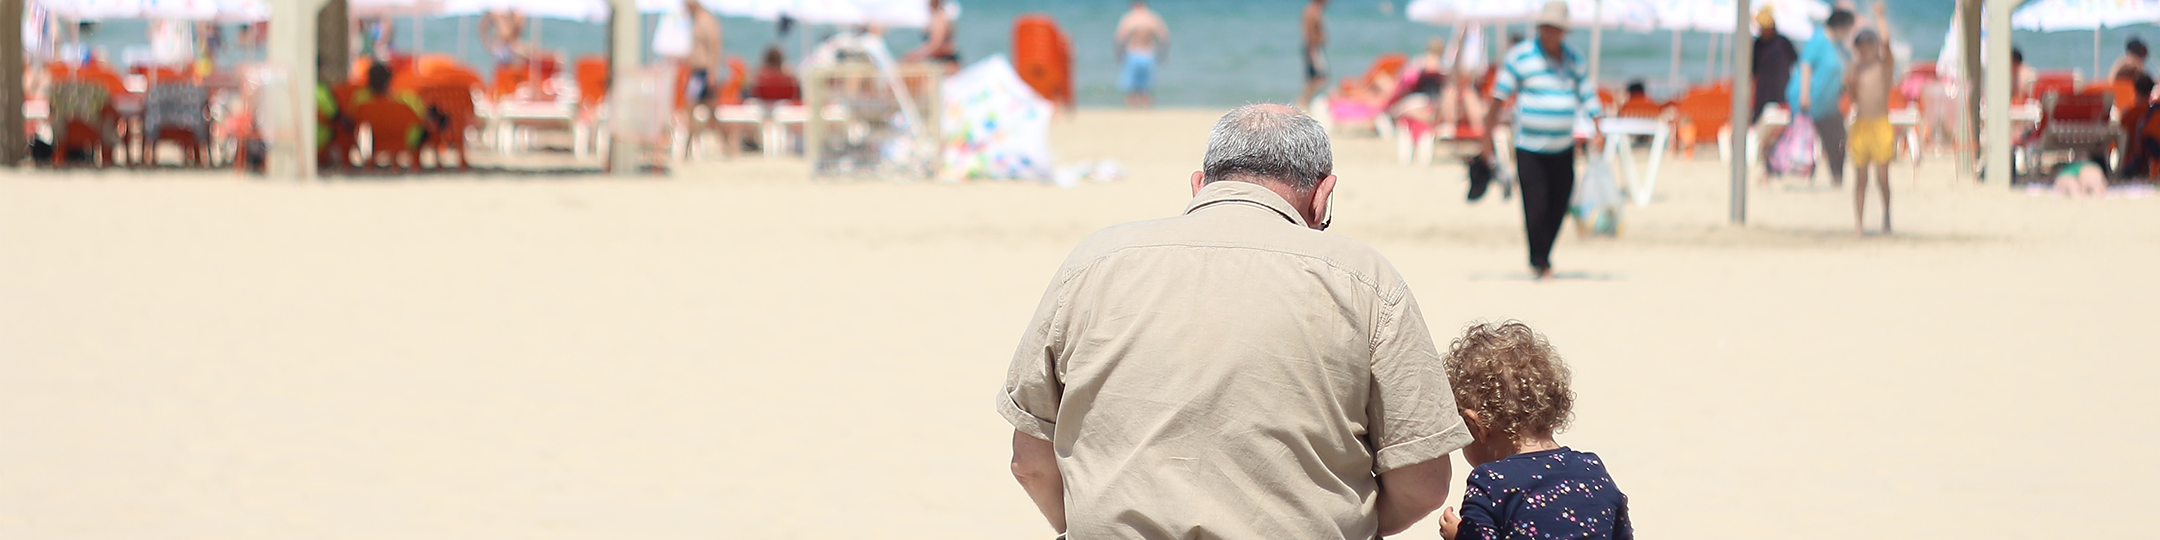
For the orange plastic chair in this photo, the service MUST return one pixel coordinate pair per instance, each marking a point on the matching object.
(456, 105)
(1043, 56)
(2054, 82)
(344, 137)
(1703, 113)
(592, 82)
(731, 92)
(389, 120)
(1640, 108)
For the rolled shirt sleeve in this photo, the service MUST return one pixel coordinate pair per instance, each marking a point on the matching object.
(1412, 411)
(1032, 390)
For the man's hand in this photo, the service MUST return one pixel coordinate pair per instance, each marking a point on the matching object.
(1450, 523)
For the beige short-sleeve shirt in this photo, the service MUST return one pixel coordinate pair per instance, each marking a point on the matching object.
(1229, 373)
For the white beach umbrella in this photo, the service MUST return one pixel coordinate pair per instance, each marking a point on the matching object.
(92, 10)
(574, 10)
(2094, 15)
(393, 8)
(1631, 14)
(1795, 19)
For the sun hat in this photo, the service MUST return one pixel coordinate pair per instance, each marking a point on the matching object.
(1554, 15)
(1764, 18)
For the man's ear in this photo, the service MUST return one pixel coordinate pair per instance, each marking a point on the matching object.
(1323, 202)
(1199, 179)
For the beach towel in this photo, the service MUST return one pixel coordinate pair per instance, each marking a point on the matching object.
(1794, 152)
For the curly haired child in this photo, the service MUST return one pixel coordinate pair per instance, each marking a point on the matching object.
(1513, 390)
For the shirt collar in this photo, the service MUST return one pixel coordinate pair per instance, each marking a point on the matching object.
(1234, 192)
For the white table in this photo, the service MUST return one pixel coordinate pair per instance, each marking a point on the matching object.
(1624, 130)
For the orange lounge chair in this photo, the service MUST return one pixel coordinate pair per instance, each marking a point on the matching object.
(1043, 56)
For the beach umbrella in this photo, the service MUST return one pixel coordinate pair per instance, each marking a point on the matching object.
(1795, 19)
(1640, 15)
(573, 10)
(2094, 15)
(393, 8)
(92, 10)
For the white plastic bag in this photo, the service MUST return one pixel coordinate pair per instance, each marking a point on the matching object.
(672, 38)
(1597, 201)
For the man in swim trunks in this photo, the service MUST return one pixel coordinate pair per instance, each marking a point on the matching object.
(1873, 141)
(1315, 50)
(1142, 40)
(704, 58)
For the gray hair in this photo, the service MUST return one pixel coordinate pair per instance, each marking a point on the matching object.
(1271, 142)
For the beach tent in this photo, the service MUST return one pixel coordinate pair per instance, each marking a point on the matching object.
(995, 125)
(2094, 15)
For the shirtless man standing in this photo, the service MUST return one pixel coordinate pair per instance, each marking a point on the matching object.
(1142, 41)
(704, 58)
(504, 33)
(1315, 50)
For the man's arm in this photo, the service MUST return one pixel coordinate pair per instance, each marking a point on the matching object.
(1034, 464)
(1807, 75)
(1408, 494)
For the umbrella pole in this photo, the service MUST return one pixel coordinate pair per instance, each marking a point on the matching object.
(1710, 59)
(1597, 38)
(1673, 79)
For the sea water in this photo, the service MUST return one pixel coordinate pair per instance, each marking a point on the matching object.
(1222, 53)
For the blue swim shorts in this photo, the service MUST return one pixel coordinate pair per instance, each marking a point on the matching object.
(1138, 76)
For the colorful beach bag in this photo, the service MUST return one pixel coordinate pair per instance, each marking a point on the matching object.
(1794, 153)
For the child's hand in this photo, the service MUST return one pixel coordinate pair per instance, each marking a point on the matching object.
(1449, 522)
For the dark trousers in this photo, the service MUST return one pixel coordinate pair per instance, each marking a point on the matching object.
(1830, 128)
(1548, 183)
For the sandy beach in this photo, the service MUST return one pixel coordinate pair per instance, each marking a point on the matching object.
(740, 352)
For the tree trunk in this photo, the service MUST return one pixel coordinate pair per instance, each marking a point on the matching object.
(333, 47)
(13, 144)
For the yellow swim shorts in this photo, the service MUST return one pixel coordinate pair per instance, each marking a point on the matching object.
(1873, 142)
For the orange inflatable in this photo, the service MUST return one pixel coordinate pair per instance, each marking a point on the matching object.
(1043, 56)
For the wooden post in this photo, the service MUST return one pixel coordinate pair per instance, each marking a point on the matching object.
(14, 146)
(625, 46)
(1997, 145)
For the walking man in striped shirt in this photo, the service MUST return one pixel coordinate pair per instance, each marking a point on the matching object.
(1551, 90)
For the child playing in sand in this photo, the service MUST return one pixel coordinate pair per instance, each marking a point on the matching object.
(1514, 392)
(1873, 142)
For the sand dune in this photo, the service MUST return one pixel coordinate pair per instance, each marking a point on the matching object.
(738, 352)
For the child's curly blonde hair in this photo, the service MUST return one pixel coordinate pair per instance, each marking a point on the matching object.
(1512, 378)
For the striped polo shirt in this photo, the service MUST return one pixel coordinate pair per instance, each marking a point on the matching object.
(1550, 98)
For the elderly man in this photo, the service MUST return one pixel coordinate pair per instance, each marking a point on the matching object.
(1233, 372)
(1551, 90)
